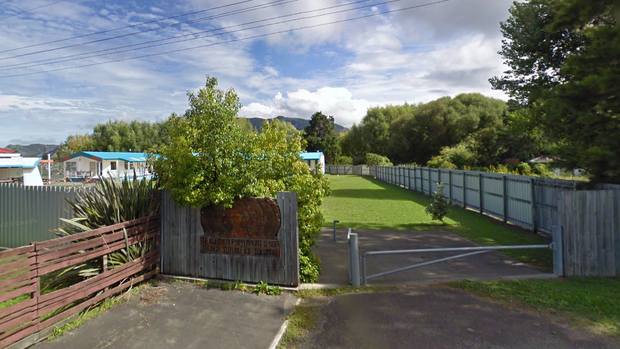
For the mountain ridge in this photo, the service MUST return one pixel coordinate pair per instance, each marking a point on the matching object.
(298, 123)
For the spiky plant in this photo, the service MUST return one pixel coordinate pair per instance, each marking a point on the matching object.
(109, 202)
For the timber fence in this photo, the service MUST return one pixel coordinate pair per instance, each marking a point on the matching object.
(30, 309)
(525, 201)
(591, 228)
(28, 213)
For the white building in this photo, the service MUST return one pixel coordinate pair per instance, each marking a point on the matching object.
(95, 164)
(13, 165)
(313, 159)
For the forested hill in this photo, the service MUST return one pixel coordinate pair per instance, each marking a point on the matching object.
(36, 150)
(298, 123)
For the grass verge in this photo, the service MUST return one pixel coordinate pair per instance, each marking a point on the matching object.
(303, 318)
(591, 302)
(366, 203)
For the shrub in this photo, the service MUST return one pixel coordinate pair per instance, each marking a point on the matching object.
(210, 161)
(439, 207)
(377, 160)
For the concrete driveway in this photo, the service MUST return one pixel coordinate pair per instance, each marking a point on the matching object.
(487, 266)
(179, 315)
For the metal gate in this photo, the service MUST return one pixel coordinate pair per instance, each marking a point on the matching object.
(354, 274)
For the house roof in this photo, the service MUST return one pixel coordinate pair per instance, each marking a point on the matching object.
(104, 155)
(543, 159)
(311, 155)
(4, 150)
(19, 162)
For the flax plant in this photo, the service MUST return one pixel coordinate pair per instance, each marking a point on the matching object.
(109, 202)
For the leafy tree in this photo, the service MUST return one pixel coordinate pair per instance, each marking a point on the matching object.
(74, 144)
(321, 136)
(210, 161)
(206, 162)
(564, 66)
(246, 126)
(285, 126)
(352, 144)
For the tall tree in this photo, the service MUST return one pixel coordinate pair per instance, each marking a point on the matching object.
(564, 59)
(321, 136)
(74, 144)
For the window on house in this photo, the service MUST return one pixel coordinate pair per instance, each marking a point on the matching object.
(113, 165)
(71, 166)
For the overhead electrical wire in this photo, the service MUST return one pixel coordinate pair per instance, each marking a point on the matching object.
(118, 49)
(147, 30)
(125, 27)
(234, 40)
(32, 9)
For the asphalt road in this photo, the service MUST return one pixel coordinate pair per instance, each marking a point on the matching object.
(437, 318)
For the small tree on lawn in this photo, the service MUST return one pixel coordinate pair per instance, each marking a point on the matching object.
(439, 206)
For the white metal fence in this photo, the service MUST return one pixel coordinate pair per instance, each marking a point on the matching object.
(528, 202)
(28, 213)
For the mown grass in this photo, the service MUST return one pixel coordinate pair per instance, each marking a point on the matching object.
(590, 302)
(365, 203)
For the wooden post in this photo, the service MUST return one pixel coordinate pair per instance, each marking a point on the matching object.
(533, 195)
(505, 200)
(481, 193)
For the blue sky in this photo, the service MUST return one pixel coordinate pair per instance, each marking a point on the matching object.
(414, 55)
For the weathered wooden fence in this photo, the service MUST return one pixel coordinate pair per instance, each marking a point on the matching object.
(181, 234)
(528, 202)
(29, 310)
(591, 224)
(28, 213)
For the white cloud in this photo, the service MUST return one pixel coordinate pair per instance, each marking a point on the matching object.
(336, 101)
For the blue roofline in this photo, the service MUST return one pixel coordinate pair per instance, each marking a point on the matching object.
(311, 155)
(104, 155)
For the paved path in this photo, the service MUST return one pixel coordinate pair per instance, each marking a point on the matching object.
(437, 318)
(178, 315)
(487, 266)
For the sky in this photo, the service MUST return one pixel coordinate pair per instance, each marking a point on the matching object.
(66, 66)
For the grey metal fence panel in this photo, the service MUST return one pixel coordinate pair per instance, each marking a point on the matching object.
(472, 191)
(519, 201)
(493, 195)
(27, 214)
(529, 202)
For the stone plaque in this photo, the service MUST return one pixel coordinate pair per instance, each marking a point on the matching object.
(249, 227)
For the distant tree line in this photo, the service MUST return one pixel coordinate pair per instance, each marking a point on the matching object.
(469, 130)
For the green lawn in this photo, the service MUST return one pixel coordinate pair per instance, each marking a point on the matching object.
(593, 302)
(365, 203)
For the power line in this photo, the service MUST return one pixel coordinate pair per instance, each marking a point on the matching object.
(32, 9)
(125, 27)
(99, 53)
(148, 30)
(232, 40)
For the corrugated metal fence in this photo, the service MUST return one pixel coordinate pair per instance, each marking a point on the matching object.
(528, 202)
(28, 214)
(359, 170)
